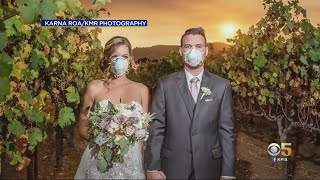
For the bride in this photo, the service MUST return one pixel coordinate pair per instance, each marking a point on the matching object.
(117, 89)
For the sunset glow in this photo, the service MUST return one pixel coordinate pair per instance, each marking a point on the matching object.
(229, 29)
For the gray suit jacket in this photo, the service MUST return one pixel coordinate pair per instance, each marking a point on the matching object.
(183, 130)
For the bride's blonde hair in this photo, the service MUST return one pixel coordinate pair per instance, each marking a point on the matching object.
(110, 47)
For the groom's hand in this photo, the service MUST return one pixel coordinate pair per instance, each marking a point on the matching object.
(155, 175)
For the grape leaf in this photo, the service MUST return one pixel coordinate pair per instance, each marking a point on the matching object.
(4, 88)
(5, 65)
(12, 26)
(17, 69)
(3, 41)
(74, 6)
(35, 137)
(28, 14)
(8, 113)
(17, 112)
(303, 59)
(66, 117)
(48, 9)
(260, 61)
(54, 60)
(16, 128)
(27, 96)
(16, 158)
(36, 115)
(36, 61)
(72, 95)
(45, 35)
(27, 74)
(314, 55)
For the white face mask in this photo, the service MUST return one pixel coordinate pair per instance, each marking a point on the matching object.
(119, 65)
(193, 57)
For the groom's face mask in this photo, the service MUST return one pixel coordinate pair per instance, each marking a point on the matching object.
(193, 56)
(119, 65)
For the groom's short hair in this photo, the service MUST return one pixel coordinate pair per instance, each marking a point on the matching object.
(194, 31)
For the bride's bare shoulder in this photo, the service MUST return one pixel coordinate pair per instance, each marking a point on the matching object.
(140, 86)
(95, 85)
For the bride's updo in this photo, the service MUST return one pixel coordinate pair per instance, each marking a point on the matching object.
(109, 49)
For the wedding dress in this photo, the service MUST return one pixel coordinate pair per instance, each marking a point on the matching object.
(131, 168)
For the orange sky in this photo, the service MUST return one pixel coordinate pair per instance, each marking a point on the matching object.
(168, 19)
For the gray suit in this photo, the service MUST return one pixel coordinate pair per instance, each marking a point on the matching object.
(187, 136)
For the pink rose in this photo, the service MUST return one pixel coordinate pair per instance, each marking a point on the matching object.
(132, 120)
(130, 130)
(119, 119)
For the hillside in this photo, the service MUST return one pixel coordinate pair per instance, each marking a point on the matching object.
(156, 52)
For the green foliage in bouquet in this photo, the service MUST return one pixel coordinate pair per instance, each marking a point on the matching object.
(42, 69)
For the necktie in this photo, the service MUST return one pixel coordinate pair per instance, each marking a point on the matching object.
(194, 88)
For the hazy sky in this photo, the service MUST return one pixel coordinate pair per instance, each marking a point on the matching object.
(168, 19)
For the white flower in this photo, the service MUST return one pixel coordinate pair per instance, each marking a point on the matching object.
(136, 106)
(146, 137)
(104, 106)
(117, 139)
(113, 125)
(126, 112)
(205, 92)
(141, 133)
(139, 125)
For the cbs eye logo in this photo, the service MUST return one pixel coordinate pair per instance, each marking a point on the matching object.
(274, 149)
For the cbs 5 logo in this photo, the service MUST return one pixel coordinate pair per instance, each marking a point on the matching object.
(274, 149)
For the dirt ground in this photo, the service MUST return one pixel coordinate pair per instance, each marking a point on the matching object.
(253, 161)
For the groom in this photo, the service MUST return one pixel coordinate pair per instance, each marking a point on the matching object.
(192, 134)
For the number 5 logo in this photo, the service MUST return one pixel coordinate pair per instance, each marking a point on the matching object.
(286, 149)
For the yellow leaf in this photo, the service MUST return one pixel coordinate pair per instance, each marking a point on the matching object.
(316, 95)
(43, 94)
(17, 69)
(282, 86)
(275, 74)
(13, 86)
(26, 51)
(23, 103)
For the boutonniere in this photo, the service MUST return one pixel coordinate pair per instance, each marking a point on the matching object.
(205, 92)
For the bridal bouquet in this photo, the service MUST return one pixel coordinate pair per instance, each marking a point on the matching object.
(113, 129)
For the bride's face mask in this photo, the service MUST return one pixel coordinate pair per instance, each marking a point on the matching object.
(119, 65)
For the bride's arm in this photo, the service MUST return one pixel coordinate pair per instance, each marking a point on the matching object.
(87, 102)
(145, 105)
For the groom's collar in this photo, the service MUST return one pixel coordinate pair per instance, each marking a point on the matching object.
(182, 74)
(189, 76)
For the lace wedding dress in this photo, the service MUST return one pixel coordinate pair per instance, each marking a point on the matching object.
(131, 168)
